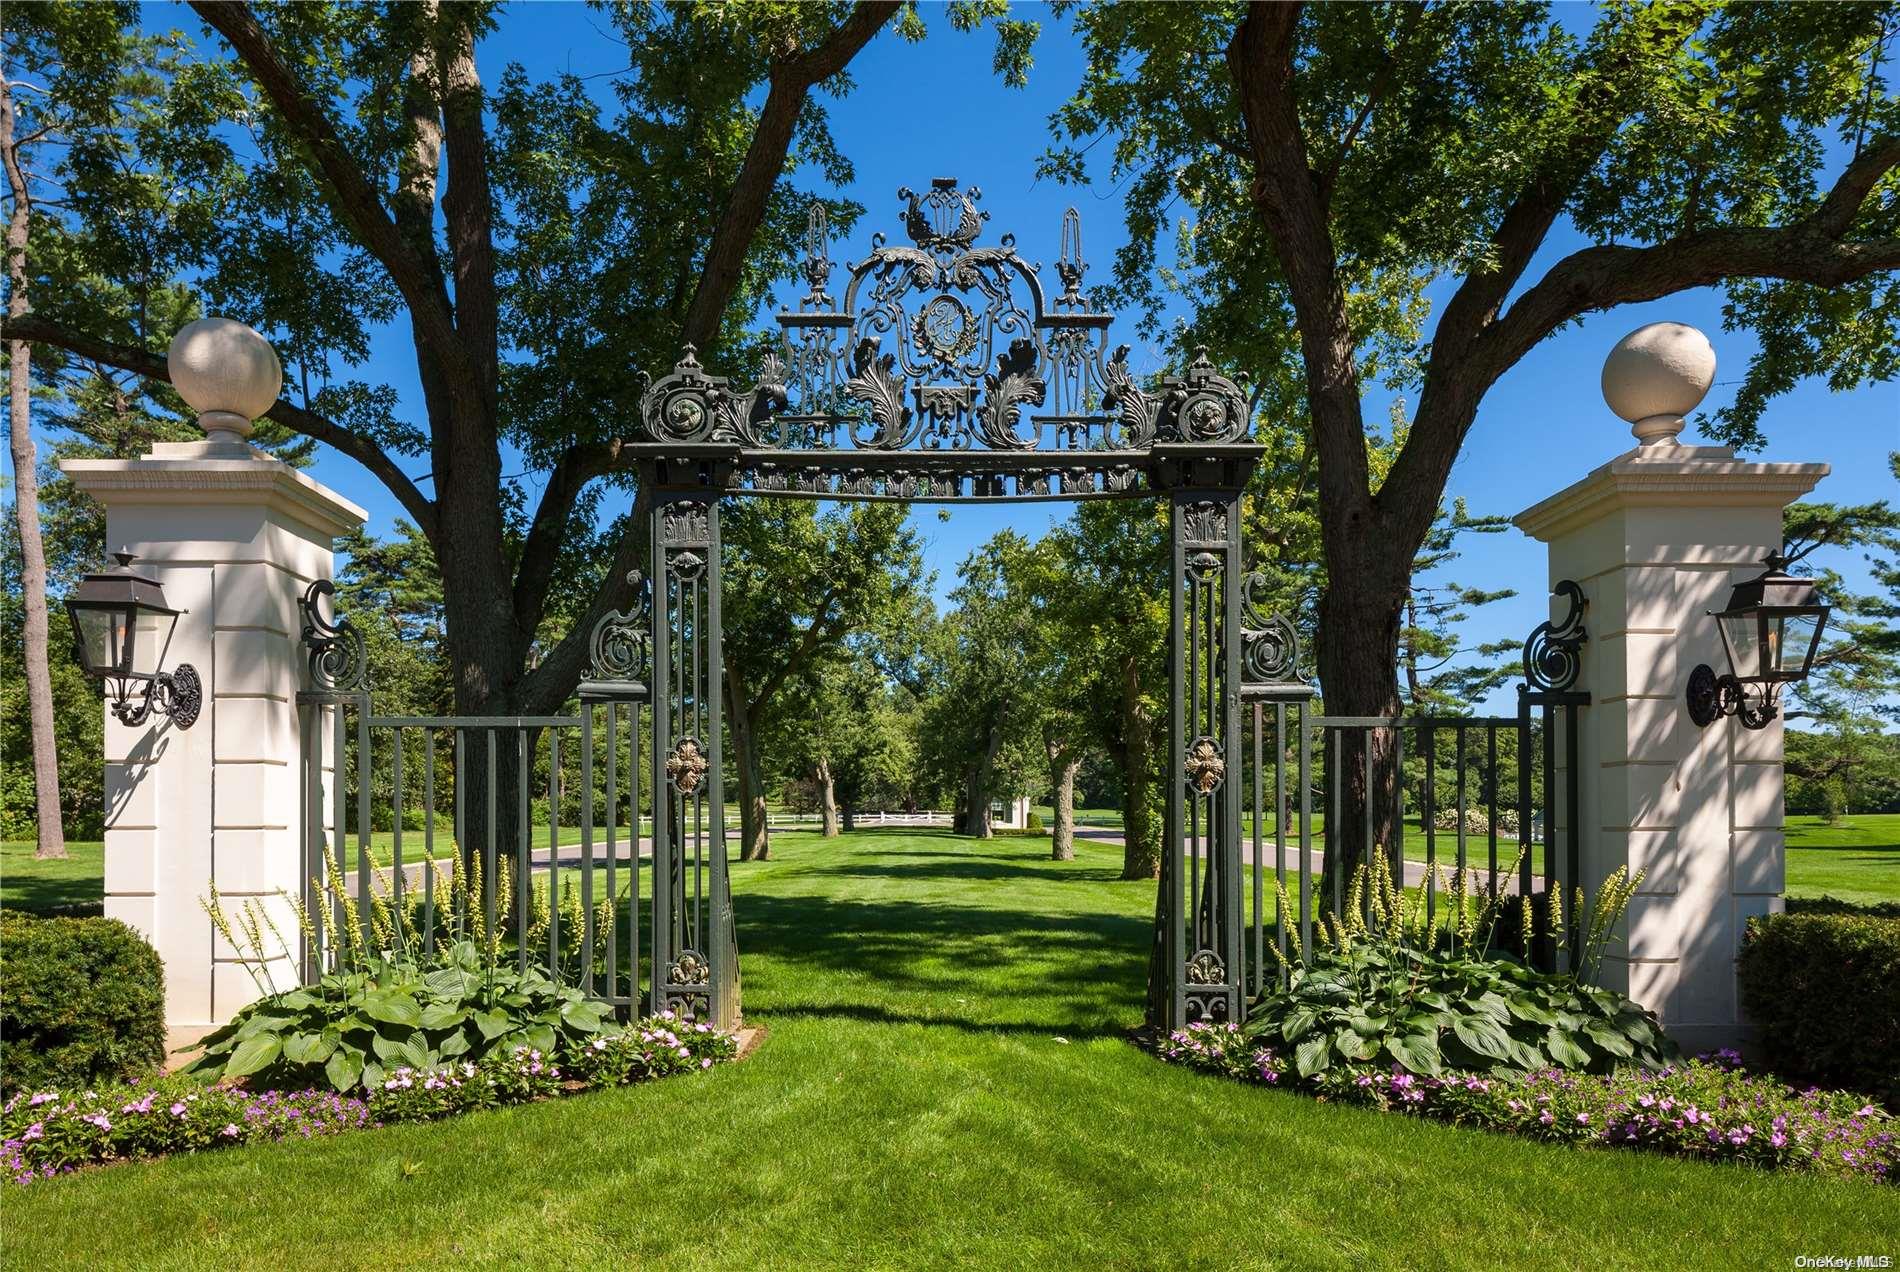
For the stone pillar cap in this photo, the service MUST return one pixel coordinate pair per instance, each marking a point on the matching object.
(1675, 476)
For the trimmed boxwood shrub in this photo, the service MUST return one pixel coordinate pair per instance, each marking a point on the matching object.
(82, 1001)
(1825, 990)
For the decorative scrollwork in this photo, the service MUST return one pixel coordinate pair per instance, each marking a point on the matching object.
(874, 381)
(940, 219)
(338, 663)
(1132, 411)
(1206, 968)
(686, 767)
(684, 524)
(1553, 653)
(1269, 643)
(1205, 522)
(690, 968)
(1014, 383)
(620, 647)
(1206, 768)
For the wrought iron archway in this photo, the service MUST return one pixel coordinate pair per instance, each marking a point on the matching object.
(945, 373)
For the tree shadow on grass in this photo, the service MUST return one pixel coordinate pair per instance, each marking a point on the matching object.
(990, 968)
(46, 896)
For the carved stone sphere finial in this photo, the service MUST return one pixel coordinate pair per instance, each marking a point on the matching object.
(228, 373)
(1656, 375)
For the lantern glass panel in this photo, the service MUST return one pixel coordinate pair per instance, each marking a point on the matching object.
(152, 632)
(1742, 634)
(1790, 636)
(102, 635)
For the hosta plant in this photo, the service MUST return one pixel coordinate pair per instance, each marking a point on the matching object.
(393, 998)
(1398, 982)
(1428, 1012)
(351, 1028)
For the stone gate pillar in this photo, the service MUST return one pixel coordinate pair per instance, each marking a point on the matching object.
(1657, 537)
(234, 537)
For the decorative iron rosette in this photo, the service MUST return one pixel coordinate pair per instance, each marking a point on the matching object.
(338, 663)
(1553, 655)
(684, 404)
(1206, 767)
(1202, 406)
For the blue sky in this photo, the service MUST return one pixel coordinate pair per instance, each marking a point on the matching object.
(936, 109)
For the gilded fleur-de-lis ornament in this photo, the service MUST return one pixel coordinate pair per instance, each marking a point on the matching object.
(686, 767)
(1205, 767)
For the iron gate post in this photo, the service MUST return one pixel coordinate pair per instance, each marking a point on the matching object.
(695, 950)
(1199, 903)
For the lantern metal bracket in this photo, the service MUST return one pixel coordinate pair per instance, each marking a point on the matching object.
(177, 695)
(1713, 696)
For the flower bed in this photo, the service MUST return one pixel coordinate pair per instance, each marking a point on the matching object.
(1710, 1108)
(46, 1133)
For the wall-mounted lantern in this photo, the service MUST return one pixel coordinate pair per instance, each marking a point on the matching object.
(1770, 631)
(121, 630)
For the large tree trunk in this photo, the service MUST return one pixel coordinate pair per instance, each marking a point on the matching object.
(1141, 837)
(827, 798)
(1063, 766)
(26, 504)
(976, 814)
(754, 838)
(1358, 667)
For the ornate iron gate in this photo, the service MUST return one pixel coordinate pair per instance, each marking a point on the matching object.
(991, 390)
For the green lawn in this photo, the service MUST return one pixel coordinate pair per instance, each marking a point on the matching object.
(1856, 861)
(946, 1081)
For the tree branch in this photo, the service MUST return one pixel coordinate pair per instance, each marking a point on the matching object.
(1260, 58)
(792, 79)
(356, 200)
(309, 423)
(466, 203)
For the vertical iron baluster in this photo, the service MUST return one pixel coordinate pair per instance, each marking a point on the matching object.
(524, 861)
(1550, 819)
(1335, 819)
(587, 848)
(1573, 816)
(554, 852)
(1428, 814)
(428, 840)
(1491, 788)
(1259, 852)
(1463, 799)
(633, 852)
(339, 812)
(364, 870)
(1306, 831)
(395, 841)
(1279, 828)
(491, 877)
(1371, 813)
